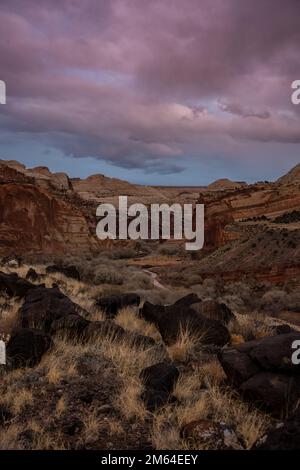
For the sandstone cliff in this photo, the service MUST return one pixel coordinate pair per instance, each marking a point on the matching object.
(32, 219)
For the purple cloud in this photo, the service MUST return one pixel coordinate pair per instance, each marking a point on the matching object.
(144, 84)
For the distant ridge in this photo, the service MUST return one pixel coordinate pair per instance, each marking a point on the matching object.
(293, 176)
(225, 183)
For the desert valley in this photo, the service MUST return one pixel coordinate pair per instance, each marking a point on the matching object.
(115, 344)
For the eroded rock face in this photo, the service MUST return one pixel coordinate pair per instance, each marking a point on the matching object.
(224, 208)
(159, 381)
(173, 319)
(32, 219)
(263, 371)
(26, 347)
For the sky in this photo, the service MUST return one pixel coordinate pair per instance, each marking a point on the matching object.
(155, 92)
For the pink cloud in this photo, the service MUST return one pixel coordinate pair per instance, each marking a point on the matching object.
(143, 84)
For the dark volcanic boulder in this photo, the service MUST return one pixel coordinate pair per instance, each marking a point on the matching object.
(32, 275)
(69, 271)
(188, 300)
(286, 436)
(109, 329)
(71, 326)
(283, 329)
(163, 375)
(273, 392)
(13, 285)
(155, 399)
(237, 366)
(112, 304)
(216, 311)
(43, 306)
(272, 353)
(173, 319)
(152, 313)
(100, 329)
(26, 347)
(159, 381)
(264, 373)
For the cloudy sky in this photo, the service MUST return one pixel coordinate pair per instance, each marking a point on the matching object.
(176, 92)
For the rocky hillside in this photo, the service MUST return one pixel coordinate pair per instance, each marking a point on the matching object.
(292, 177)
(87, 370)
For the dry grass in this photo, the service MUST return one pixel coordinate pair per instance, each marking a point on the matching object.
(20, 400)
(200, 395)
(91, 426)
(128, 319)
(250, 326)
(8, 439)
(250, 423)
(129, 402)
(16, 399)
(165, 434)
(44, 441)
(61, 406)
(201, 392)
(186, 347)
(9, 315)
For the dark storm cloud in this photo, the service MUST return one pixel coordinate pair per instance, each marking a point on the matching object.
(144, 84)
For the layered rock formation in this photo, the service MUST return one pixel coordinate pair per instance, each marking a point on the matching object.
(35, 219)
(48, 212)
(222, 209)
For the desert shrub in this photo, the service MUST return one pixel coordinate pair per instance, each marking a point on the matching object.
(234, 302)
(107, 275)
(138, 280)
(171, 249)
(124, 253)
(160, 296)
(240, 289)
(208, 289)
(293, 301)
(144, 247)
(273, 300)
(129, 320)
